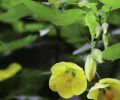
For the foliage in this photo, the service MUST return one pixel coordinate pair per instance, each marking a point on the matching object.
(67, 25)
(112, 52)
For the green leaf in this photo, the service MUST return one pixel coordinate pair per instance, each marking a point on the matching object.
(8, 4)
(112, 52)
(71, 34)
(113, 4)
(92, 23)
(69, 17)
(114, 18)
(15, 13)
(41, 12)
(50, 13)
(17, 44)
(31, 27)
(89, 5)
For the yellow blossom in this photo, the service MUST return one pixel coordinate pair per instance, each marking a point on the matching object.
(68, 79)
(106, 89)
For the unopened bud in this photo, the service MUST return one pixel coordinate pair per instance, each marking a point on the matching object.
(105, 40)
(98, 31)
(105, 27)
(90, 67)
(97, 55)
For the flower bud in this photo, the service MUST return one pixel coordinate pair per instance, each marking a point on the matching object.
(105, 40)
(97, 55)
(98, 31)
(105, 27)
(90, 67)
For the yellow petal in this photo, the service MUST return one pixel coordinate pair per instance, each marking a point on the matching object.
(73, 66)
(94, 91)
(114, 86)
(52, 83)
(58, 68)
(79, 83)
(116, 94)
(64, 87)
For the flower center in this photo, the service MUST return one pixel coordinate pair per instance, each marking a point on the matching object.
(109, 95)
(69, 78)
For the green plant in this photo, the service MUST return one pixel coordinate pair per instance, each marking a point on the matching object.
(66, 19)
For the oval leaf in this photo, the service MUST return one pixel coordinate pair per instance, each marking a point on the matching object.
(92, 23)
(112, 52)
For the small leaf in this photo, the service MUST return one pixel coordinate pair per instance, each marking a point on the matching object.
(112, 52)
(113, 4)
(92, 23)
(88, 5)
(15, 13)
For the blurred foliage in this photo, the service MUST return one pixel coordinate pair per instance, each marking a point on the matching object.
(22, 22)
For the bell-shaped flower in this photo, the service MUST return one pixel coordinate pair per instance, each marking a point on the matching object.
(106, 89)
(68, 79)
(90, 67)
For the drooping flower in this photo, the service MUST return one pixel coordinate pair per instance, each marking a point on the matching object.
(68, 79)
(106, 89)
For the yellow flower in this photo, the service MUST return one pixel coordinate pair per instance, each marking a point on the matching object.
(68, 79)
(106, 89)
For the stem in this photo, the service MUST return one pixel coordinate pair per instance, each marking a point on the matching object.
(98, 75)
